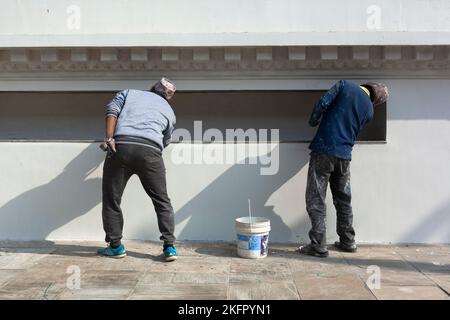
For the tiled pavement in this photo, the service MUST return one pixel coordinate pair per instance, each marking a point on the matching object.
(49, 270)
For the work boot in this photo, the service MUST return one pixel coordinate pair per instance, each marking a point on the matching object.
(346, 248)
(311, 251)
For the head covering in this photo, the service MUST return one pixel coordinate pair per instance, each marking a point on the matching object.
(165, 88)
(378, 92)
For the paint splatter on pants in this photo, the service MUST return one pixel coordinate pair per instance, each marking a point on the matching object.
(324, 169)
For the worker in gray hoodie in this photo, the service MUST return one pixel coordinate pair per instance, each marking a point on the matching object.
(139, 125)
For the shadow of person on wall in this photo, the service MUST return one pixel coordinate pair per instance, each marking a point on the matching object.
(36, 213)
(211, 214)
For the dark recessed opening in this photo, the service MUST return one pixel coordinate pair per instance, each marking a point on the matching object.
(79, 116)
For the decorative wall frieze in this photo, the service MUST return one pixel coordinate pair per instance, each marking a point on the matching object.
(233, 59)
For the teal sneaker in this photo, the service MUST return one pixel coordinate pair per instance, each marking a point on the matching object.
(109, 251)
(170, 253)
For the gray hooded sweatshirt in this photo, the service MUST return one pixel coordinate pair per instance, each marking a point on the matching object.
(142, 116)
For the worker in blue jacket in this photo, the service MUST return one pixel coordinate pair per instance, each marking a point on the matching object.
(341, 112)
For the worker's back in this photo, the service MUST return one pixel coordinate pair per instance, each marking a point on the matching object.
(342, 122)
(145, 115)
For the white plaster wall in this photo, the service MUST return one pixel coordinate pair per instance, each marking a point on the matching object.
(401, 190)
(235, 22)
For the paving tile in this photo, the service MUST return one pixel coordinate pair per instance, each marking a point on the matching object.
(37, 277)
(243, 278)
(7, 275)
(395, 263)
(28, 290)
(52, 291)
(29, 278)
(211, 249)
(211, 270)
(373, 252)
(107, 279)
(336, 286)
(320, 264)
(98, 293)
(125, 264)
(444, 247)
(193, 264)
(432, 267)
(410, 293)
(54, 282)
(442, 280)
(21, 258)
(391, 277)
(56, 260)
(180, 291)
(394, 277)
(263, 291)
(374, 249)
(25, 293)
(423, 249)
(429, 262)
(156, 278)
(200, 278)
(260, 266)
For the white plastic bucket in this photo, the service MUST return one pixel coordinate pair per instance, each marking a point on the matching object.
(252, 237)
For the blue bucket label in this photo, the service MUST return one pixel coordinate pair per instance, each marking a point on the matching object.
(257, 243)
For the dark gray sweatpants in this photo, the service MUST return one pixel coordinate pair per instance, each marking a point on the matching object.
(148, 164)
(324, 169)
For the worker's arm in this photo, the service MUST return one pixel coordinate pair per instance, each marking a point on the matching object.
(367, 118)
(167, 139)
(324, 102)
(110, 126)
(113, 109)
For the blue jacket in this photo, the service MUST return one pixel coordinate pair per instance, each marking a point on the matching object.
(344, 110)
(142, 114)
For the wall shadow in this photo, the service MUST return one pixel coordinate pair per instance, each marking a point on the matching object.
(211, 213)
(37, 212)
(437, 221)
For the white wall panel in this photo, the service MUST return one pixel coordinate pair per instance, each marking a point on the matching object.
(217, 23)
(401, 189)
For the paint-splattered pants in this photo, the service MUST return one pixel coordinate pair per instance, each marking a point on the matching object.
(324, 169)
